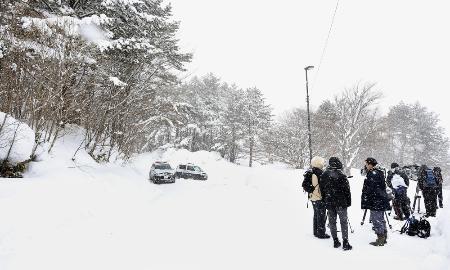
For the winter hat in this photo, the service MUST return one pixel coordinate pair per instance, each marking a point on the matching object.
(371, 161)
(317, 162)
(394, 165)
(334, 162)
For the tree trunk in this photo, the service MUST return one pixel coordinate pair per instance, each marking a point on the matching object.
(233, 146)
(250, 162)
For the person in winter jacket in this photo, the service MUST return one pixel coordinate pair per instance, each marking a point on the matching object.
(398, 181)
(428, 183)
(336, 195)
(374, 198)
(320, 211)
(437, 172)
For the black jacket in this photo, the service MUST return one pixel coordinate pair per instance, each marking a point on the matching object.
(374, 195)
(335, 189)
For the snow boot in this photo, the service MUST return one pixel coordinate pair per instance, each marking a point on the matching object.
(323, 236)
(385, 236)
(336, 243)
(381, 240)
(346, 245)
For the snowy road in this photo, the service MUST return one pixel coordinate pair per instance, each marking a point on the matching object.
(111, 217)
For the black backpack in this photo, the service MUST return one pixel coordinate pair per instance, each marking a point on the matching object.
(415, 227)
(307, 182)
(424, 228)
(411, 227)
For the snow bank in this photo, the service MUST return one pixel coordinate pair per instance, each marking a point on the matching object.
(438, 257)
(18, 135)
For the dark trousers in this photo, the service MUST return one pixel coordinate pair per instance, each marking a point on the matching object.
(343, 218)
(439, 195)
(320, 218)
(378, 222)
(401, 203)
(430, 200)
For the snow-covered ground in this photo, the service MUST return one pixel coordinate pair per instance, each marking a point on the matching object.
(82, 215)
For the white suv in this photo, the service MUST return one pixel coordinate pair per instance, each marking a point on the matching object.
(190, 170)
(161, 172)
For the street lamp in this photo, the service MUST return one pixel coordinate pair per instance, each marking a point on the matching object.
(307, 111)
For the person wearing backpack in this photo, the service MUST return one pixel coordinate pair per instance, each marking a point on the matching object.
(311, 184)
(399, 182)
(375, 198)
(437, 172)
(320, 215)
(336, 194)
(428, 183)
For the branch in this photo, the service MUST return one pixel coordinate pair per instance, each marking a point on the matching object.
(48, 5)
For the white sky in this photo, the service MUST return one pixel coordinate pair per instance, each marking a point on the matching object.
(402, 45)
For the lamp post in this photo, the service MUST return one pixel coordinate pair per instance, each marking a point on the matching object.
(307, 111)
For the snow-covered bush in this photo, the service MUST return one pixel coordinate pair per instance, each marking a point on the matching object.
(16, 145)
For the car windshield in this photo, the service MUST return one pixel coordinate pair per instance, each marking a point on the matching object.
(162, 167)
(197, 169)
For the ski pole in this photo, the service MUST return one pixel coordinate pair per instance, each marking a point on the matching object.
(387, 219)
(364, 217)
(418, 206)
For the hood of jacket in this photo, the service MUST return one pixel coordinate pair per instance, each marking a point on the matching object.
(335, 163)
(318, 162)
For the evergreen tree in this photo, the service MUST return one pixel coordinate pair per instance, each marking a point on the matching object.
(257, 119)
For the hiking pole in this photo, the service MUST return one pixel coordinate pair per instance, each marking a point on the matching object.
(387, 218)
(350, 225)
(364, 217)
(418, 206)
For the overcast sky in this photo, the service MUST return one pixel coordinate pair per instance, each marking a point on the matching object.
(402, 45)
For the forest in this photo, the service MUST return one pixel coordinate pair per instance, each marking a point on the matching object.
(115, 69)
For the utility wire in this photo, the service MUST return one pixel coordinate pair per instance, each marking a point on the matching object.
(325, 46)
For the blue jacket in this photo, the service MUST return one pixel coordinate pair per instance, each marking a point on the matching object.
(374, 195)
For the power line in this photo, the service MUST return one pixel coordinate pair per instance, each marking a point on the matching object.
(326, 44)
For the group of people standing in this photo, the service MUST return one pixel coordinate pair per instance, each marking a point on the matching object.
(331, 197)
(331, 194)
(429, 181)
